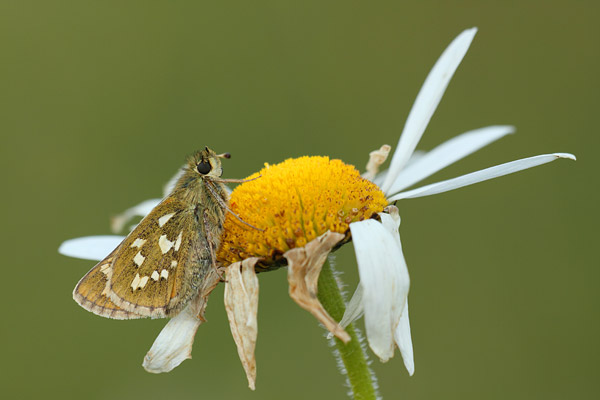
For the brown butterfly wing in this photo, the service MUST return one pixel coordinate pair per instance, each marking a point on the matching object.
(154, 269)
(90, 294)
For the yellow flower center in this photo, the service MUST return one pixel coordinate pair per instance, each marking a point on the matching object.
(294, 202)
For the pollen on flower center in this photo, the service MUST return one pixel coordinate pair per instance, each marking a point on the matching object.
(293, 203)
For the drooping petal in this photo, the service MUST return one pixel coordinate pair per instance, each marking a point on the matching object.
(118, 222)
(90, 247)
(174, 343)
(241, 303)
(354, 308)
(304, 267)
(385, 282)
(448, 153)
(480, 176)
(427, 101)
(402, 337)
(390, 219)
(404, 341)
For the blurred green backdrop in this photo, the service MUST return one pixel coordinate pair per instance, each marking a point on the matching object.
(103, 99)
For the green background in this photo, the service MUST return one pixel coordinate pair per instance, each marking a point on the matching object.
(101, 101)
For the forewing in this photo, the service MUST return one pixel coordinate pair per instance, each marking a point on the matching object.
(90, 293)
(151, 268)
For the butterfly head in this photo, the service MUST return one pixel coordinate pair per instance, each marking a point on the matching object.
(206, 163)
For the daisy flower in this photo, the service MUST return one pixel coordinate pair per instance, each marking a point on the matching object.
(307, 207)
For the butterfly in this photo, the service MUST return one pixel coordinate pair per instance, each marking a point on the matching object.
(169, 258)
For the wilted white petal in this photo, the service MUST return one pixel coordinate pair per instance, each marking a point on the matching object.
(385, 282)
(448, 153)
(141, 210)
(376, 158)
(241, 304)
(480, 176)
(427, 101)
(90, 247)
(304, 267)
(404, 341)
(354, 309)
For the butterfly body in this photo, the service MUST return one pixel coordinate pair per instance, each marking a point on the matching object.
(169, 258)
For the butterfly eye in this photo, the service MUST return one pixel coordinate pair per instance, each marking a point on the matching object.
(204, 168)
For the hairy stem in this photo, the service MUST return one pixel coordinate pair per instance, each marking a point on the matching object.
(360, 378)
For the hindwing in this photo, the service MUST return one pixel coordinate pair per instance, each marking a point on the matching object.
(90, 292)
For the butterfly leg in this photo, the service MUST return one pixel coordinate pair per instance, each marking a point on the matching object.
(211, 247)
(223, 204)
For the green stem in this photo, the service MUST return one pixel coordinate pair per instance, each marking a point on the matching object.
(360, 377)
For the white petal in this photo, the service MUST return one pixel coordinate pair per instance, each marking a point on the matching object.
(448, 153)
(385, 282)
(354, 309)
(416, 155)
(479, 176)
(90, 247)
(404, 341)
(391, 222)
(174, 343)
(427, 101)
(380, 178)
(169, 186)
(140, 210)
